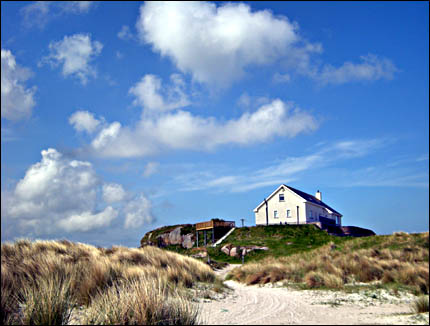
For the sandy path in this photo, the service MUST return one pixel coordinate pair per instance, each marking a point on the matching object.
(255, 305)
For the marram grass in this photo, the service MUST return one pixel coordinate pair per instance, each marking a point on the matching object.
(48, 282)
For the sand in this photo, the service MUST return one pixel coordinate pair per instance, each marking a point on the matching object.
(275, 304)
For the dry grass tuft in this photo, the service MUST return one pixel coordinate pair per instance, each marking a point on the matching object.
(421, 304)
(141, 301)
(401, 259)
(41, 281)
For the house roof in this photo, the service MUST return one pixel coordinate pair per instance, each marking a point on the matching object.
(312, 199)
(303, 195)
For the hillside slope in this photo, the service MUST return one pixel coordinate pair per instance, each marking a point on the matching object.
(281, 240)
(395, 261)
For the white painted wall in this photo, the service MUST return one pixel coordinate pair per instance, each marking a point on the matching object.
(291, 201)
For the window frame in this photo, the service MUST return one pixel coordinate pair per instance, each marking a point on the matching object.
(275, 214)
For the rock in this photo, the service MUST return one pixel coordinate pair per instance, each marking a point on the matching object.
(226, 249)
(175, 236)
(187, 241)
(201, 254)
(235, 251)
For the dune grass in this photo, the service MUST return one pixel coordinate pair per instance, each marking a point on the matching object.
(400, 259)
(421, 304)
(43, 282)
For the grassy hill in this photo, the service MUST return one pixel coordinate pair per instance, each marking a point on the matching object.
(305, 255)
(282, 240)
(398, 261)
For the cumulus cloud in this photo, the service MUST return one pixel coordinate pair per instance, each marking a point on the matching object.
(216, 43)
(137, 212)
(84, 121)
(39, 13)
(75, 54)
(17, 101)
(58, 193)
(183, 130)
(106, 136)
(86, 221)
(113, 192)
(371, 68)
(151, 95)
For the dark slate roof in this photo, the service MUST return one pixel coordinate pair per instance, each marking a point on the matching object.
(311, 198)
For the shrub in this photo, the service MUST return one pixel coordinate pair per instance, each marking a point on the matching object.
(47, 303)
(421, 304)
(314, 279)
(140, 302)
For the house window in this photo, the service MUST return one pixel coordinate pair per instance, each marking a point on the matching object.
(288, 213)
(275, 214)
(281, 197)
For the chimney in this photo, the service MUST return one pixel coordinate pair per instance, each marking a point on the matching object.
(318, 195)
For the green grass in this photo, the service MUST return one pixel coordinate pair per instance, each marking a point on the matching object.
(282, 240)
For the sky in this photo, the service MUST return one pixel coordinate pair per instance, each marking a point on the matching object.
(121, 117)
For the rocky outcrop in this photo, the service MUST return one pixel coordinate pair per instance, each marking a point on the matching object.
(172, 237)
(344, 231)
(238, 251)
(356, 231)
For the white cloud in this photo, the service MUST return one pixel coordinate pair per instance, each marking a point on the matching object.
(371, 68)
(137, 212)
(77, 6)
(125, 33)
(84, 121)
(216, 43)
(86, 221)
(150, 169)
(182, 130)
(106, 135)
(284, 171)
(151, 96)
(75, 54)
(17, 101)
(113, 192)
(39, 13)
(59, 194)
(54, 190)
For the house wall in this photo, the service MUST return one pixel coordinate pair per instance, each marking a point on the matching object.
(291, 201)
(317, 211)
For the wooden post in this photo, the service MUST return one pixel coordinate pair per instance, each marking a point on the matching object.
(213, 235)
(204, 232)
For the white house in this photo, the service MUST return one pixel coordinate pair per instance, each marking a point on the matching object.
(287, 205)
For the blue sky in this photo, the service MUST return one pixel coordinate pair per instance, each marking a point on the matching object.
(120, 117)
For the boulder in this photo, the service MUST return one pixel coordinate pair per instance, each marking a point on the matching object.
(201, 254)
(187, 241)
(226, 249)
(235, 251)
(175, 236)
